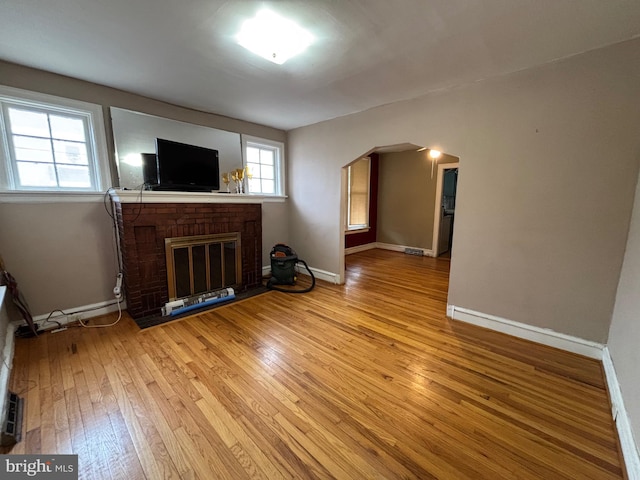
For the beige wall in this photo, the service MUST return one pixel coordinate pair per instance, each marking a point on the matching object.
(62, 254)
(624, 335)
(548, 164)
(406, 198)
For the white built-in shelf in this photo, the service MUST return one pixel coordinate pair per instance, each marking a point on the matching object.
(131, 196)
(137, 196)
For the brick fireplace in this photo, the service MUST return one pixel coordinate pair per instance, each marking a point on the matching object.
(143, 228)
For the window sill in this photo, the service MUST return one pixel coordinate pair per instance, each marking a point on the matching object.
(358, 230)
(131, 196)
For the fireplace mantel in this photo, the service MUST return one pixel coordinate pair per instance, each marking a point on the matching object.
(145, 196)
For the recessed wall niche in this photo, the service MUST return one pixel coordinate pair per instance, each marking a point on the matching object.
(135, 133)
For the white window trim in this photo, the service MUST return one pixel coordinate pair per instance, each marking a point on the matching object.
(280, 181)
(360, 227)
(357, 230)
(96, 133)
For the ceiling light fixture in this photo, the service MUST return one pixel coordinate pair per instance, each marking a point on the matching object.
(273, 37)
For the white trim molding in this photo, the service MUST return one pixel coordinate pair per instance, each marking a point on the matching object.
(323, 275)
(360, 248)
(543, 336)
(437, 214)
(386, 246)
(319, 274)
(621, 419)
(450, 310)
(96, 136)
(279, 153)
(77, 313)
(401, 248)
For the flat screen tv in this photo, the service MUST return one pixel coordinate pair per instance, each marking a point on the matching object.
(186, 168)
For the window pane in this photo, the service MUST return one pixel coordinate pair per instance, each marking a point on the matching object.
(36, 174)
(253, 155)
(74, 177)
(360, 176)
(254, 168)
(26, 122)
(70, 152)
(66, 128)
(266, 157)
(358, 213)
(267, 172)
(268, 186)
(32, 149)
(254, 185)
(358, 210)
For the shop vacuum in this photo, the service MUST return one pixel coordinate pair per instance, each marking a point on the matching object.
(283, 269)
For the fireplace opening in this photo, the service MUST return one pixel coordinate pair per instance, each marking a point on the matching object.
(203, 263)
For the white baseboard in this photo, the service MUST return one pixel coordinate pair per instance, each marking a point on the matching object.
(386, 246)
(621, 418)
(322, 275)
(528, 332)
(360, 248)
(82, 312)
(450, 310)
(319, 274)
(401, 248)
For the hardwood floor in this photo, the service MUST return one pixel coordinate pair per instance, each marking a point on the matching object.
(362, 381)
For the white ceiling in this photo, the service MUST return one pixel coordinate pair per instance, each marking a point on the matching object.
(367, 52)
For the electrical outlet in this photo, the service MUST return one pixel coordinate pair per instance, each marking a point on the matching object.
(117, 290)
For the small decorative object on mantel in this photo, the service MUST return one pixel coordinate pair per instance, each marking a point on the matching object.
(240, 179)
(234, 177)
(237, 176)
(249, 174)
(226, 180)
